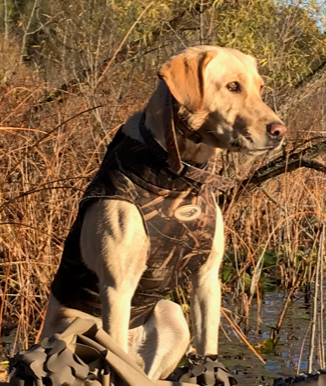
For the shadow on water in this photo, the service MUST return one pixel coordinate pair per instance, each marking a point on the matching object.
(284, 360)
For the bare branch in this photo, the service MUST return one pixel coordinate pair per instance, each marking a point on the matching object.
(288, 162)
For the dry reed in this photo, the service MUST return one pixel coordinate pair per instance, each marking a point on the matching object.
(50, 151)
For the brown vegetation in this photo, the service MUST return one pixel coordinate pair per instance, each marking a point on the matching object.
(56, 120)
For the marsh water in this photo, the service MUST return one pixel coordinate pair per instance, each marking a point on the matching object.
(284, 360)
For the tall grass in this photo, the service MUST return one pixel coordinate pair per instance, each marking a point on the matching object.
(50, 151)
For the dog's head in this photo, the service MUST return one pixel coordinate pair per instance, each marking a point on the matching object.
(219, 95)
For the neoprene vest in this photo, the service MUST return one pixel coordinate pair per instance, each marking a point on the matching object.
(179, 217)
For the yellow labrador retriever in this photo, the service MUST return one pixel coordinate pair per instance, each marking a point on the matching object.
(148, 221)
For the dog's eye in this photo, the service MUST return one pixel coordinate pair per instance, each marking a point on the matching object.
(233, 86)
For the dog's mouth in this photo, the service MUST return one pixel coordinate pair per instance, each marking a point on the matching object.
(244, 143)
(241, 143)
(244, 149)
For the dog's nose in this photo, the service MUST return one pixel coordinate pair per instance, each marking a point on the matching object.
(276, 130)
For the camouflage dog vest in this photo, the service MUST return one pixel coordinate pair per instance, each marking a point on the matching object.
(179, 215)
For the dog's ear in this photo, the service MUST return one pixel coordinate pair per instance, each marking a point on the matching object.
(184, 77)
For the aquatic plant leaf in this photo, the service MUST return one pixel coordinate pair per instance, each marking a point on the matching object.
(266, 346)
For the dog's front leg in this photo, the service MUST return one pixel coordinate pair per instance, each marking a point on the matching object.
(114, 244)
(206, 296)
(205, 307)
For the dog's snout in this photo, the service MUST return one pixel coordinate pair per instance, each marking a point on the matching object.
(276, 129)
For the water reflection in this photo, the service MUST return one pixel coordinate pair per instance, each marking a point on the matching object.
(285, 359)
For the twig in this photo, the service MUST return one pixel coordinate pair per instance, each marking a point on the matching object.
(18, 106)
(272, 199)
(225, 333)
(119, 49)
(292, 160)
(41, 188)
(48, 134)
(286, 306)
(321, 314)
(136, 47)
(313, 165)
(241, 335)
(301, 349)
(11, 128)
(315, 310)
(5, 288)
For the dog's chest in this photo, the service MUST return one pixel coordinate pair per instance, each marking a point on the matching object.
(181, 227)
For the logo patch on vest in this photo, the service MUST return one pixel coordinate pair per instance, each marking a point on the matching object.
(187, 212)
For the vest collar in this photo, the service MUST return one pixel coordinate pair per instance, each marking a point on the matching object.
(192, 173)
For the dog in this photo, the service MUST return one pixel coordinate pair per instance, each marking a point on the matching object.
(149, 220)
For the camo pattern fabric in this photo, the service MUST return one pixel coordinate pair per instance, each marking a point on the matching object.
(85, 355)
(179, 216)
(82, 355)
(203, 370)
